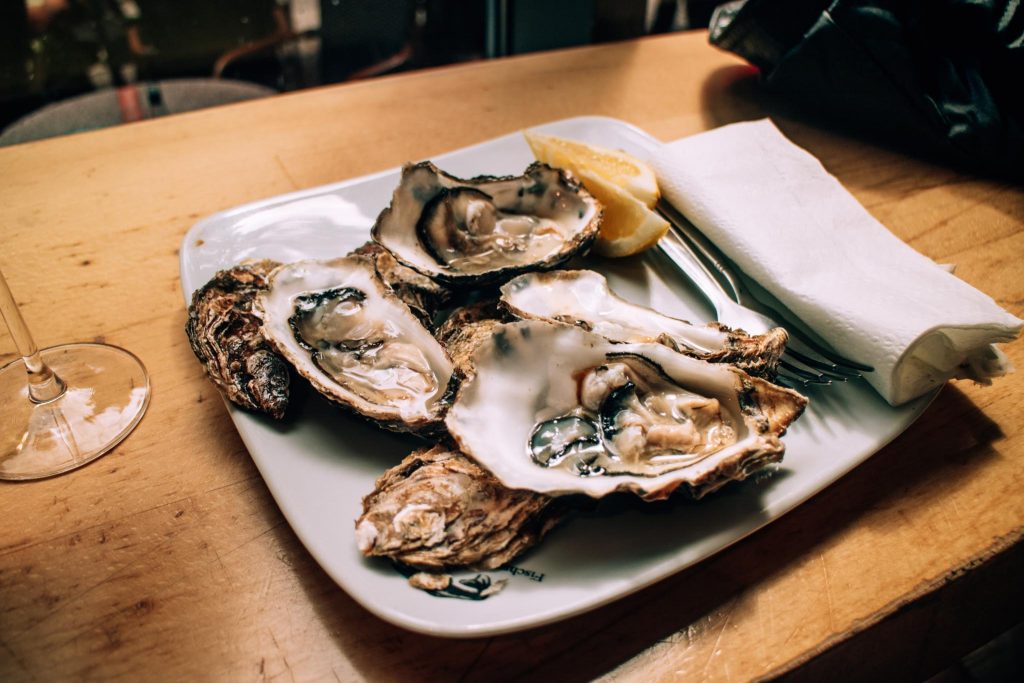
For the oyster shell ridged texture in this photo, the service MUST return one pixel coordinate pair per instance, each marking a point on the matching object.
(357, 343)
(583, 298)
(438, 510)
(558, 410)
(486, 229)
(464, 329)
(425, 297)
(227, 339)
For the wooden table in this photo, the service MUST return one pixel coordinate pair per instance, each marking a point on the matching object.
(168, 559)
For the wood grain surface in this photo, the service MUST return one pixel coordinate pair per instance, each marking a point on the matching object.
(167, 559)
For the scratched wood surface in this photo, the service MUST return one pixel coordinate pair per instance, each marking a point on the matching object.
(168, 559)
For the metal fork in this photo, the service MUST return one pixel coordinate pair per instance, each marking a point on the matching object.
(735, 306)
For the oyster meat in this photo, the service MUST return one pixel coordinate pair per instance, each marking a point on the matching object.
(583, 298)
(356, 342)
(559, 410)
(439, 510)
(227, 339)
(486, 229)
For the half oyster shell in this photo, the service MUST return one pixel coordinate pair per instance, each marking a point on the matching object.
(559, 410)
(464, 329)
(437, 509)
(583, 298)
(486, 229)
(423, 296)
(357, 343)
(227, 339)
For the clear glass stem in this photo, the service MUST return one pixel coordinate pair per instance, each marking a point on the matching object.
(43, 384)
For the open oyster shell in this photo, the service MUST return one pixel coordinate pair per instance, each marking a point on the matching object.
(359, 345)
(464, 329)
(559, 410)
(437, 509)
(227, 339)
(583, 298)
(486, 229)
(422, 295)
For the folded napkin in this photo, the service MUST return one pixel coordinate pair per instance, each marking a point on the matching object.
(787, 223)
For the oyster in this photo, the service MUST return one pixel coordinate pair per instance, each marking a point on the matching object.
(466, 327)
(486, 229)
(438, 510)
(227, 339)
(559, 410)
(423, 296)
(360, 346)
(583, 298)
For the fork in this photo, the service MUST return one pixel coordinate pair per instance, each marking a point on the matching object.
(735, 306)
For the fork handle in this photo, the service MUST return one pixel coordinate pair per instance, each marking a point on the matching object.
(683, 256)
(707, 253)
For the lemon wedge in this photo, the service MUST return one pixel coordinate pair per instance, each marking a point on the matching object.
(625, 186)
(628, 227)
(612, 165)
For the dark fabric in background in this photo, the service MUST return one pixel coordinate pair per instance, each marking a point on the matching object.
(946, 76)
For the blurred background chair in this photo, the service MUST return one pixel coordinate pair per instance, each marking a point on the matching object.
(88, 64)
(113, 106)
(63, 50)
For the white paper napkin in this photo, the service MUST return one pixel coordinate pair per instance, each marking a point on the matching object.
(788, 224)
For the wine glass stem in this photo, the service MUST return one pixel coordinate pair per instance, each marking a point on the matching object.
(43, 384)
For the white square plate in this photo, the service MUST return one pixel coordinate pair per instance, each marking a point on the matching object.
(320, 462)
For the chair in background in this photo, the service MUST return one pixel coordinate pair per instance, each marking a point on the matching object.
(153, 57)
(113, 106)
(171, 47)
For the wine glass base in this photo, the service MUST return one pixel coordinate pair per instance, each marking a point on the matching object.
(107, 394)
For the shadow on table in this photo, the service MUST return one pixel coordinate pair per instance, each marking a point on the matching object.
(734, 93)
(947, 444)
